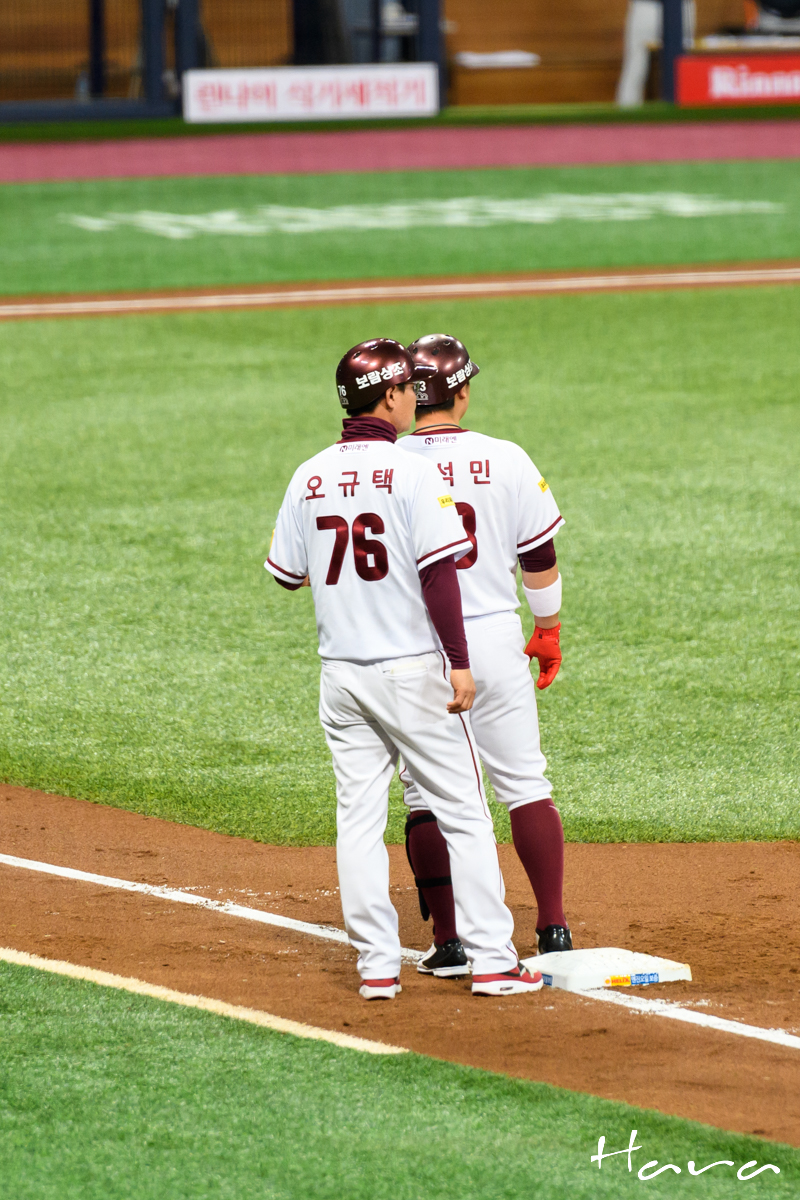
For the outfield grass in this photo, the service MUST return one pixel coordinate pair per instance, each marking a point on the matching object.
(109, 1096)
(41, 252)
(149, 662)
(607, 112)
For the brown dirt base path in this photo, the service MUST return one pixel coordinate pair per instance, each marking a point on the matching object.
(730, 910)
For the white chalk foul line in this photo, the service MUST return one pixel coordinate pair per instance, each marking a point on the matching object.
(328, 932)
(252, 1015)
(442, 290)
(634, 1003)
(665, 1008)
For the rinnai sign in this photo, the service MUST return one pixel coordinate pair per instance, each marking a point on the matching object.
(312, 93)
(738, 79)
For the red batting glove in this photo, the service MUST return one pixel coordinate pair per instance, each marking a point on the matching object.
(544, 646)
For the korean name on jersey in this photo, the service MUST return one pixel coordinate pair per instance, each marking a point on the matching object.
(361, 519)
(505, 504)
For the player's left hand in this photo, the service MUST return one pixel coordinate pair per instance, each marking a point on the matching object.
(544, 646)
(463, 686)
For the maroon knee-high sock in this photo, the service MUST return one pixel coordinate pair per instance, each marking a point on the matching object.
(539, 841)
(430, 862)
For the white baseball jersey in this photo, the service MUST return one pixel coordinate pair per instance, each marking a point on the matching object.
(361, 519)
(505, 504)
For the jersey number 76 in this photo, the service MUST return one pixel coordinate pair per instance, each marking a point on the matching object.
(364, 548)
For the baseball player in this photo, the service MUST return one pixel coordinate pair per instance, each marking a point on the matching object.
(509, 514)
(374, 532)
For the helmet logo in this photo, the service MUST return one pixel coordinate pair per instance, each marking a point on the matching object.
(387, 374)
(461, 376)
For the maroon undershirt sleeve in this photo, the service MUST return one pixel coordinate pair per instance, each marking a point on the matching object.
(442, 597)
(540, 559)
(290, 587)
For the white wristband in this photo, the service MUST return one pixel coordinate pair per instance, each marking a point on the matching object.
(544, 602)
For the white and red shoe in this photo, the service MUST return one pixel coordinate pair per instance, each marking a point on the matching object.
(509, 983)
(381, 989)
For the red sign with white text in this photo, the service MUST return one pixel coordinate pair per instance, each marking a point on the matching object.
(707, 79)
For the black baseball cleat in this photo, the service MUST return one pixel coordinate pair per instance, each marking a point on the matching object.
(445, 961)
(554, 937)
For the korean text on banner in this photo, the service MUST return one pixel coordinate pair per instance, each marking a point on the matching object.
(312, 93)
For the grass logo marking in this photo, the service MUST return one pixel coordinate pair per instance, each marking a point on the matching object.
(463, 211)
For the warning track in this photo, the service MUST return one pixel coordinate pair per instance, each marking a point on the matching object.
(470, 287)
(430, 148)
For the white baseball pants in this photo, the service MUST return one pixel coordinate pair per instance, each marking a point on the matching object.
(643, 29)
(369, 715)
(504, 719)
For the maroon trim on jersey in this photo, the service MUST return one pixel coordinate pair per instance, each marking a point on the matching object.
(442, 596)
(283, 571)
(367, 429)
(460, 542)
(438, 429)
(541, 558)
(544, 532)
(290, 587)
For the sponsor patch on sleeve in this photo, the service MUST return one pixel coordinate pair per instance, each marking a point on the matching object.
(446, 501)
(542, 485)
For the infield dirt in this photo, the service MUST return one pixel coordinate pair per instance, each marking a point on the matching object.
(729, 909)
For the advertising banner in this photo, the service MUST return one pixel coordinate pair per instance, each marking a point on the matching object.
(710, 79)
(312, 93)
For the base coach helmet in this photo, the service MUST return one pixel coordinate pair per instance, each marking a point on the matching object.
(454, 367)
(367, 371)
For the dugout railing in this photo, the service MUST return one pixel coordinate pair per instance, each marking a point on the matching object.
(83, 59)
(78, 59)
(100, 58)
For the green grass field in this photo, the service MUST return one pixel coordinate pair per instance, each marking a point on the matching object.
(653, 111)
(40, 251)
(149, 662)
(109, 1096)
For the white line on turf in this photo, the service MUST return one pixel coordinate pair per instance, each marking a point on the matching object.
(328, 932)
(444, 289)
(657, 1008)
(252, 1015)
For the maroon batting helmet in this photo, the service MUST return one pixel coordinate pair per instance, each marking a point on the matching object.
(371, 368)
(454, 367)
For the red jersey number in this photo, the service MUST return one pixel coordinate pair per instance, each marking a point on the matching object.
(469, 521)
(339, 546)
(364, 548)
